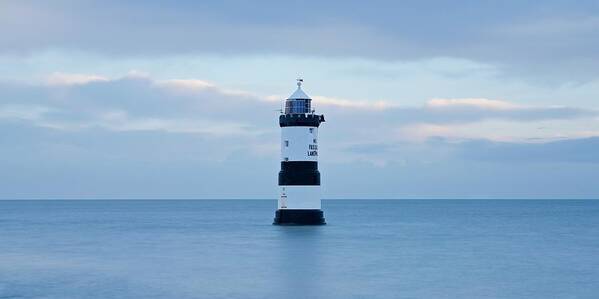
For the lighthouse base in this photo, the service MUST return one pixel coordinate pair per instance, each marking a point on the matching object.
(299, 217)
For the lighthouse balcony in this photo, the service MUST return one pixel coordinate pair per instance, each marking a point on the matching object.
(300, 120)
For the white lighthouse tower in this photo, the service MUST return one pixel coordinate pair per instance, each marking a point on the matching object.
(299, 179)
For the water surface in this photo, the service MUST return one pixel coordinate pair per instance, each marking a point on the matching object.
(369, 249)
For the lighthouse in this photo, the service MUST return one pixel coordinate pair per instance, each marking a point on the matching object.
(299, 179)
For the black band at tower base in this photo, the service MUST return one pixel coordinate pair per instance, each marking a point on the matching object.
(299, 217)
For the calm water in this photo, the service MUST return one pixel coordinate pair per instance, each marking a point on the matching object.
(229, 249)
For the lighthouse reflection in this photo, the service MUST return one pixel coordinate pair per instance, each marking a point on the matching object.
(299, 260)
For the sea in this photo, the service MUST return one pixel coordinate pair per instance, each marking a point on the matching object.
(230, 249)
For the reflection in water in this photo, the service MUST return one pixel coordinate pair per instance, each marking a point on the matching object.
(299, 260)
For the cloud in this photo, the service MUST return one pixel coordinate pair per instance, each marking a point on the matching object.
(23, 112)
(583, 26)
(477, 103)
(563, 37)
(137, 102)
(120, 121)
(477, 109)
(345, 103)
(457, 119)
(198, 86)
(187, 84)
(582, 150)
(423, 132)
(190, 138)
(439, 149)
(77, 102)
(73, 79)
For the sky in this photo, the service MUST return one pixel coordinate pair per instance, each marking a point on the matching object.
(179, 99)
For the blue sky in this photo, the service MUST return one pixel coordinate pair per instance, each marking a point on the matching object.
(423, 99)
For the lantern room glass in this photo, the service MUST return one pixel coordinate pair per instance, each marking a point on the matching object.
(298, 106)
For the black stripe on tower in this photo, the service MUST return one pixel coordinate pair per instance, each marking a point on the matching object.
(300, 120)
(303, 173)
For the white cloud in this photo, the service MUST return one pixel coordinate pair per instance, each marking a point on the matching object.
(187, 84)
(73, 79)
(344, 103)
(472, 102)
